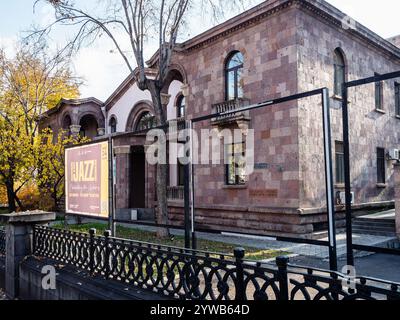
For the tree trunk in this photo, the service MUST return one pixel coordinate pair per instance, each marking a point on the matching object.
(11, 196)
(20, 204)
(162, 169)
(162, 209)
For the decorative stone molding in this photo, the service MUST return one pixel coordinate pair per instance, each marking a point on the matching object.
(185, 90)
(101, 132)
(165, 98)
(122, 150)
(244, 126)
(75, 129)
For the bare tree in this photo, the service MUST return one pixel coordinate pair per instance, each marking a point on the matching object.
(137, 21)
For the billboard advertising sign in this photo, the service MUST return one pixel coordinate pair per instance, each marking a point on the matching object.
(87, 180)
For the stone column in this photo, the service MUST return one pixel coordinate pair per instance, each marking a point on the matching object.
(397, 196)
(101, 132)
(165, 98)
(185, 90)
(19, 244)
(75, 130)
(123, 162)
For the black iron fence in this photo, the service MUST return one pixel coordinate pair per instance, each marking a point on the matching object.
(196, 275)
(2, 241)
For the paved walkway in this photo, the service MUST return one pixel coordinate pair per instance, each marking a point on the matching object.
(385, 215)
(305, 250)
(295, 249)
(379, 266)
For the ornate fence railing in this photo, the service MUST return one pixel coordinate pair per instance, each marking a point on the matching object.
(196, 275)
(2, 241)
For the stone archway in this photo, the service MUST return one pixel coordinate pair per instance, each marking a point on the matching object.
(137, 111)
(66, 122)
(89, 126)
(176, 72)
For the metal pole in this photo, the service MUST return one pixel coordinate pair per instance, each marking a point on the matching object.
(330, 195)
(187, 201)
(347, 177)
(192, 192)
(111, 186)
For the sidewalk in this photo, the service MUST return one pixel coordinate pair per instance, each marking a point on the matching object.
(379, 266)
(295, 249)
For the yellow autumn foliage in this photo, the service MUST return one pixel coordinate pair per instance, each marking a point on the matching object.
(31, 82)
(49, 153)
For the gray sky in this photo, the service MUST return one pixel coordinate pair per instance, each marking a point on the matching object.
(104, 71)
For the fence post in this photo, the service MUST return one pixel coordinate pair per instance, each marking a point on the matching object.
(20, 244)
(282, 263)
(92, 234)
(107, 235)
(397, 197)
(240, 287)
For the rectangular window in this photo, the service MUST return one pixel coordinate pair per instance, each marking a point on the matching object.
(378, 94)
(235, 164)
(181, 174)
(380, 164)
(339, 159)
(397, 98)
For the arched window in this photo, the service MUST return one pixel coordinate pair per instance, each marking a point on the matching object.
(181, 107)
(113, 125)
(234, 76)
(146, 121)
(340, 72)
(66, 125)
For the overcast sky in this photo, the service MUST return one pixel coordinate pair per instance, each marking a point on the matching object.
(103, 71)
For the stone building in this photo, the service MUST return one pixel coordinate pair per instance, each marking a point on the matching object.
(78, 116)
(276, 49)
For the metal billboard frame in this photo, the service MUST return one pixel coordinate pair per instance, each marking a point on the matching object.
(111, 183)
(329, 180)
(189, 187)
(347, 167)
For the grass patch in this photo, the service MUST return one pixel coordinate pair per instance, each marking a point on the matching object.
(178, 241)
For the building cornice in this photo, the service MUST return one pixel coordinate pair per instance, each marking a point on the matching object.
(71, 102)
(245, 19)
(336, 18)
(321, 8)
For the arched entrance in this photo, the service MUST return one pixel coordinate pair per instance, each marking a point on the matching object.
(138, 178)
(89, 126)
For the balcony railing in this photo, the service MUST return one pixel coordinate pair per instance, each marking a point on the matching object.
(175, 193)
(177, 124)
(230, 106)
